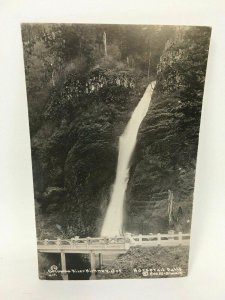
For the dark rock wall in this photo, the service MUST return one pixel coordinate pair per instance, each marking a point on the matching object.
(166, 150)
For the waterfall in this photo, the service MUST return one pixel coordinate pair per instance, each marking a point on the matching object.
(113, 221)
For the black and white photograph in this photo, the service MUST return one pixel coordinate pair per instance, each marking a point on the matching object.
(114, 117)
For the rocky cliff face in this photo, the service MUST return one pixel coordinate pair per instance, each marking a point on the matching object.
(75, 151)
(166, 151)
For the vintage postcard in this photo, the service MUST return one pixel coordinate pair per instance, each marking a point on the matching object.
(114, 114)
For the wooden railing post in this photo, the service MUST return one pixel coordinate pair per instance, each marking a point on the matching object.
(46, 242)
(180, 238)
(72, 242)
(159, 238)
(140, 239)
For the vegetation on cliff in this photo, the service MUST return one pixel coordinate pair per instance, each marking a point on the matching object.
(80, 98)
(167, 145)
(149, 262)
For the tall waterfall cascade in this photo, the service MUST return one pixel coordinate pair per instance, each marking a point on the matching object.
(113, 222)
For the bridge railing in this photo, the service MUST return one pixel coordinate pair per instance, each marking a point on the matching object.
(122, 242)
(82, 243)
(161, 239)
